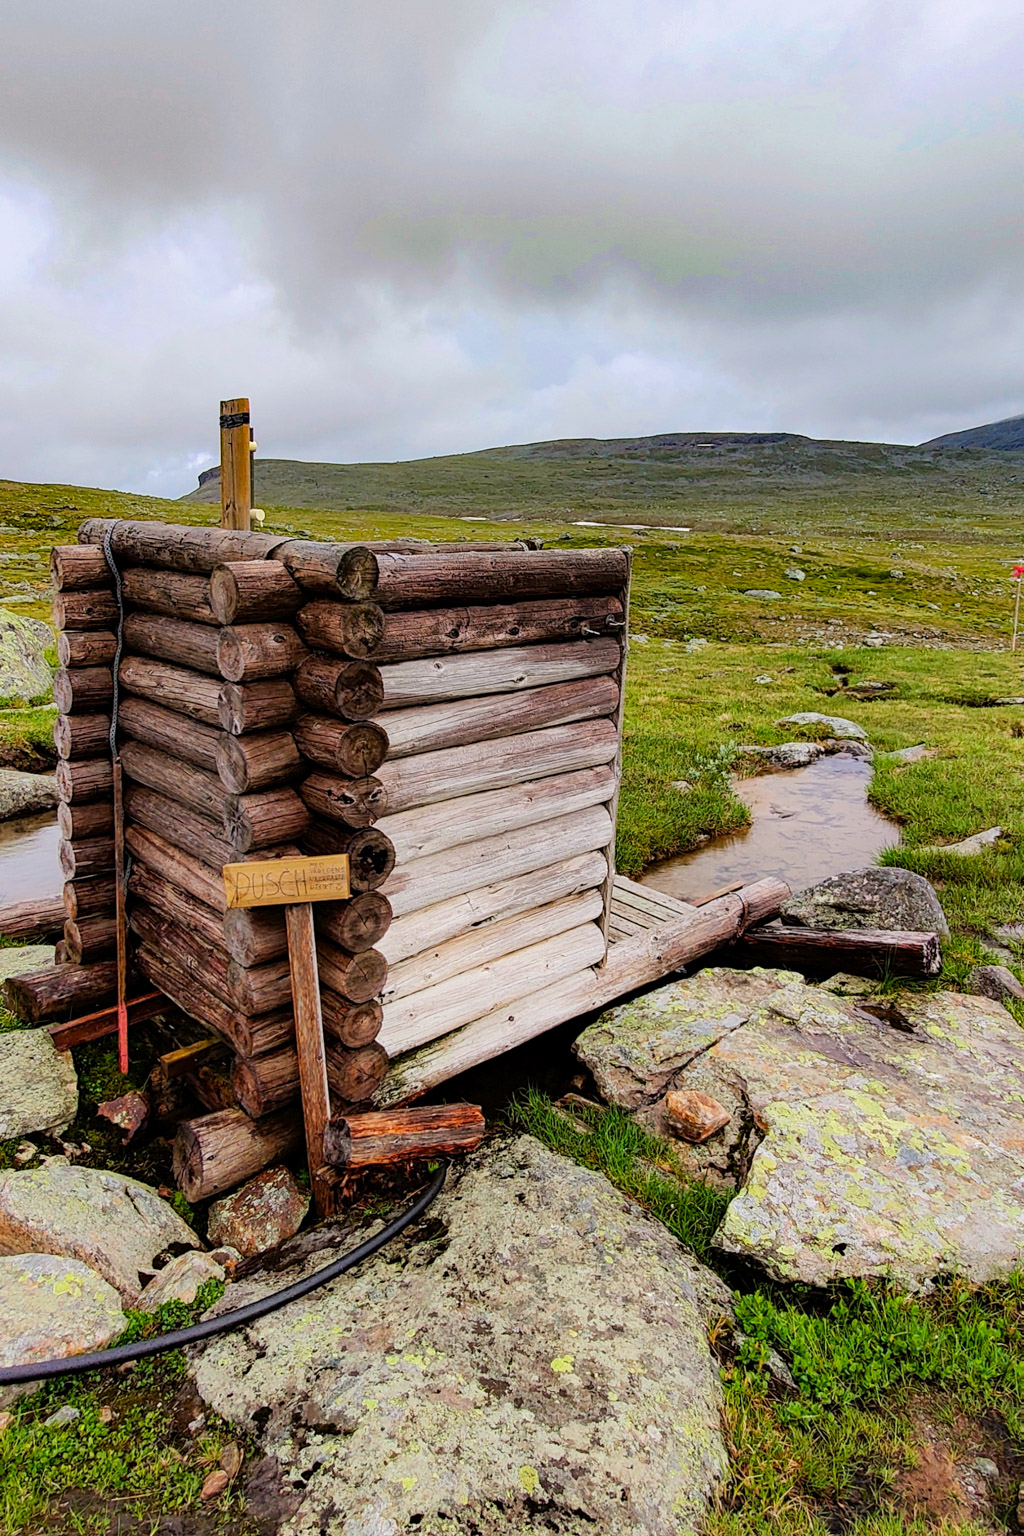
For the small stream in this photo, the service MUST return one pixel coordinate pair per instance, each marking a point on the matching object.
(808, 823)
(29, 867)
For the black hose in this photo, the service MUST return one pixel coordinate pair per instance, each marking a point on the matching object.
(45, 1370)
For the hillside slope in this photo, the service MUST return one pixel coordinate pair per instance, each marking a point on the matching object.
(1006, 436)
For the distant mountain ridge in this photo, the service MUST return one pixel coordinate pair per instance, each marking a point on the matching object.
(1006, 436)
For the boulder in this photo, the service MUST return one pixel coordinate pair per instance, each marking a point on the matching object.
(259, 1215)
(114, 1224)
(846, 730)
(25, 794)
(24, 671)
(793, 573)
(694, 1116)
(38, 1084)
(27, 957)
(912, 754)
(53, 1307)
(996, 982)
(531, 1357)
(970, 845)
(763, 592)
(179, 1280)
(869, 898)
(789, 754)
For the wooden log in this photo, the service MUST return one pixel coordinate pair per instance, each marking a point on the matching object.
(356, 802)
(190, 833)
(441, 631)
(248, 653)
(80, 861)
(83, 690)
(455, 871)
(508, 936)
(864, 951)
(309, 1044)
(39, 919)
(247, 1037)
(87, 779)
(355, 750)
(356, 978)
(86, 647)
(56, 991)
(262, 819)
(175, 688)
(244, 707)
(89, 938)
(439, 679)
(254, 935)
(172, 547)
(266, 1083)
(353, 690)
(423, 1016)
(173, 865)
(85, 610)
(180, 906)
(85, 898)
(345, 629)
(81, 735)
(77, 567)
(215, 1152)
(430, 777)
(247, 763)
(355, 1076)
(250, 590)
(440, 580)
(334, 570)
(371, 856)
(194, 788)
(631, 963)
(94, 1026)
(170, 593)
(473, 912)
(190, 951)
(59, 953)
(432, 828)
(430, 727)
(260, 988)
(377, 1138)
(351, 1024)
(357, 924)
(182, 738)
(184, 644)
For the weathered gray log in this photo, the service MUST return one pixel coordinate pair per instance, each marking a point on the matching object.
(169, 592)
(262, 706)
(176, 688)
(81, 735)
(213, 1153)
(430, 727)
(84, 610)
(249, 653)
(334, 570)
(257, 761)
(167, 731)
(375, 1139)
(76, 567)
(346, 629)
(83, 690)
(86, 647)
(441, 631)
(356, 802)
(355, 750)
(175, 548)
(440, 580)
(250, 590)
(353, 690)
(193, 646)
(864, 951)
(440, 678)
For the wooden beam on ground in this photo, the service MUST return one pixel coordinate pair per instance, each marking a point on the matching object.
(864, 951)
(379, 1137)
(177, 1063)
(32, 919)
(93, 1026)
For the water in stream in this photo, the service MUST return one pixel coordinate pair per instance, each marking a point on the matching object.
(29, 867)
(808, 823)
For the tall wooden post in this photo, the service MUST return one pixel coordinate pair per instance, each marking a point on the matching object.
(235, 465)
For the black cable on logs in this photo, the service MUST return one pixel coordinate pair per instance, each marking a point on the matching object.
(123, 1354)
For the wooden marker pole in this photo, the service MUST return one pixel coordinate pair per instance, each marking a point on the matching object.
(235, 465)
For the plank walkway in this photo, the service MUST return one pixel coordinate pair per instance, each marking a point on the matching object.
(636, 908)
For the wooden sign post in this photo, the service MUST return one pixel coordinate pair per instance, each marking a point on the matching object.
(295, 884)
(235, 465)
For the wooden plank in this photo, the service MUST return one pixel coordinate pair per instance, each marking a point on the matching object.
(235, 465)
(277, 882)
(94, 1026)
(309, 1043)
(633, 889)
(176, 1063)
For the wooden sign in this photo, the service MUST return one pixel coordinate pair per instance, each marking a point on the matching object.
(286, 882)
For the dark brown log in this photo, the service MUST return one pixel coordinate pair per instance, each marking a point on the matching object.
(248, 653)
(250, 590)
(354, 1076)
(192, 787)
(40, 919)
(346, 629)
(354, 925)
(352, 1024)
(194, 834)
(86, 647)
(175, 688)
(354, 750)
(260, 988)
(78, 822)
(83, 690)
(441, 631)
(244, 707)
(81, 735)
(172, 864)
(266, 1083)
(91, 779)
(262, 819)
(169, 592)
(84, 610)
(60, 954)
(180, 906)
(175, 640)
(255, 935)
(352, 689)
(378, 1137)
(356, 978)
(371, 854)
(169, 732)
(441, 580)
(864, 951)
(89, 938)
(56, 991)
(430, 727)
(247, 1037)
(193, 953)
(94, 1026)
(80, 861)
(335, 570)
(175, 548)
(247, 763)
(215, 1152)
(86, 898)
(77, 567)
(356, 802)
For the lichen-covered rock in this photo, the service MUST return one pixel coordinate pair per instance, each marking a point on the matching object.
(179, 1280)
(694, 1116)
(24, 794)
(788, 754)
(38, 1084)
(262, 1213)
(846, 730)
(997, 982)
(531, 1358)
(27, 957)
(53, 1307)
(870, 898)
(24, 671)
(114, 1224)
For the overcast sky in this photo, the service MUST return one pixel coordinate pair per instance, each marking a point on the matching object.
(412, 227)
